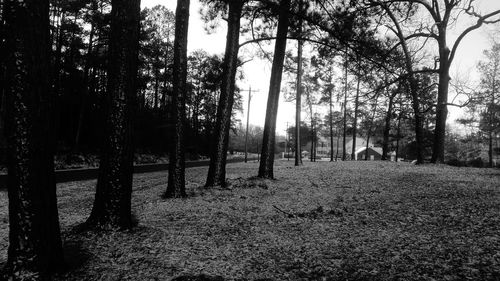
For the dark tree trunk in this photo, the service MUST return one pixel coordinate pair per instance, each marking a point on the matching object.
(157, 90)
(368, 135)
(418, 118)
(35, 248)
(298, 100)
(398, 133)
(344, 134)
(217, 168)
(387, 127)
(267, 159)
(312, 140)
(442, 107)
(309, 101)
(338, 141)
(355, 122)
(490, 148)
(176, 186)
(112, 205)
(331, 127)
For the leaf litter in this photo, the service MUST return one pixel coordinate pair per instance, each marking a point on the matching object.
(320, 221)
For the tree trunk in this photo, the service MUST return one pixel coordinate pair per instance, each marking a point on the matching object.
(176, 186)
(442, 107)
(157, 89)
(298, 100)
(418, 119)
(387, 127)
(312, 139)
(370, 129)
(35, 248)
(217, 168)
(355, 122)
(398, 133)
(112, 204)
(344, 135)
(490, 148)
(338, 141)
(268, 141)
(331, 127)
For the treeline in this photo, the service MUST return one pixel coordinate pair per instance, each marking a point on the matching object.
(79, 41)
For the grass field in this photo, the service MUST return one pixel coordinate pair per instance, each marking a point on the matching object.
(321, 221)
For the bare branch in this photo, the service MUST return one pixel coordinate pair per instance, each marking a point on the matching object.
(480, 21)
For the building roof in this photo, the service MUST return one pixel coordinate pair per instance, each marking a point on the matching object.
(376, 149)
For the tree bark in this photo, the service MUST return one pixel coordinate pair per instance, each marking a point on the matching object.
(370, 129)
(442, 107)
(387, 127)
(176, 186)
(312, 138)
(355, 122)
(344, 134)
(217, 169)
(112, 204)
(298, 98)
(338, 141)
(35, 248)
(331, 127)
(268, 141)
(398, 133)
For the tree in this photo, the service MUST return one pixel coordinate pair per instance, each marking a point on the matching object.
(391, 95)
(176, 186)
(204, 87)
(268, 141)
(156, 53)
(80, 30)
(217, 168)
(443, 14)
(410, 74)
(489, 96)
(85, 80)
(35, 248)
(112, 204)
(298, 152)
(327, 97)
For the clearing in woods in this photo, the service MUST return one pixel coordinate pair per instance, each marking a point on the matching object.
(322, 221)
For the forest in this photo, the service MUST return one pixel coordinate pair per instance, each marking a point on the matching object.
(108, 84)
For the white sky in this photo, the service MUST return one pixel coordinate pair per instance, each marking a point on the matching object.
(257, 72)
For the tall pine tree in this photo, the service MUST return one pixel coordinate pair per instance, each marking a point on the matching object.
(35, 248)
(112, 205)
(176, 186)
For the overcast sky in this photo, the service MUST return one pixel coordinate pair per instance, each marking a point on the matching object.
(257, 72)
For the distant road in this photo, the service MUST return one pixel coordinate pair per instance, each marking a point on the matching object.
(91, 173)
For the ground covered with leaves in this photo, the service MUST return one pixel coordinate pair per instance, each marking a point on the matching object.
(320, 221)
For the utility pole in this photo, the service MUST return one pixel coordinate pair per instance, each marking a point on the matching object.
(248, 119)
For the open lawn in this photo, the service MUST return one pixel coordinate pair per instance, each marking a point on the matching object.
(321, 221)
